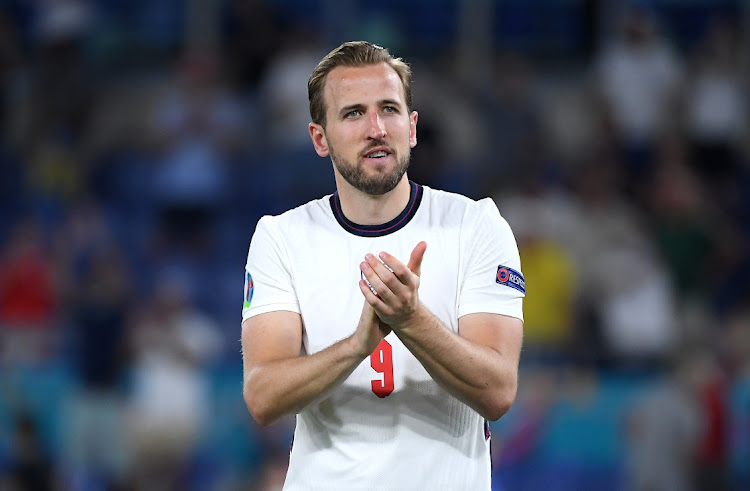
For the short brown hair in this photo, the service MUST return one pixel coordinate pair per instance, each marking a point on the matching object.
(352, 54)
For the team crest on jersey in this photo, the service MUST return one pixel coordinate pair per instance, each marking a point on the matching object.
(510, 277)
(248, 290)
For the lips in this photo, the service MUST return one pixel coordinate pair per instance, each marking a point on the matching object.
(377, 152)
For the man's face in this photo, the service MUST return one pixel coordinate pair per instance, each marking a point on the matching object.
(369, 132)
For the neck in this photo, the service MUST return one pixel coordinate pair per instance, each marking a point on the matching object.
(365, 209)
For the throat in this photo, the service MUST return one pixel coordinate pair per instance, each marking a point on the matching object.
(364, 209)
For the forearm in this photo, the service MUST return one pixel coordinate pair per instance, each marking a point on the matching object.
(475, 374)
(277, 388)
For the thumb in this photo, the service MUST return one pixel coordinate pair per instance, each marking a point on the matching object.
(415, 261)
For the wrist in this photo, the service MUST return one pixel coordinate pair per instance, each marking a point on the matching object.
(413, 320)
(356, 348)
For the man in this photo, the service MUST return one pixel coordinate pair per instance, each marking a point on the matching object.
(393, 364)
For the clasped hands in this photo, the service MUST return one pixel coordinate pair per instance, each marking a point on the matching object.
(396, 285)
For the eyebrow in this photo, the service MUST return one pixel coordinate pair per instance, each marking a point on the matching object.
(353, 107)
(390, 102)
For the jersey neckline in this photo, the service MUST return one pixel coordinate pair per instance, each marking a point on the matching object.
(415, 198)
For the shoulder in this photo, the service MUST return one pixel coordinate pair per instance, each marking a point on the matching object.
(474, 220)
(276, 237)
(306, 215)
(457, 205)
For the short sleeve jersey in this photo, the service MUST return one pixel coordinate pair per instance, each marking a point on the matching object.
(389, 425)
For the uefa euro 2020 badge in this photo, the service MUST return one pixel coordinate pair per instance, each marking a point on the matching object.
(248, 291)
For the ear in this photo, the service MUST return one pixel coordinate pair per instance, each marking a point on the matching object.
(318, 137)
(413, 129)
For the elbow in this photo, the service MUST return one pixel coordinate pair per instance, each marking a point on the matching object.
(260, 412)
(498, 403)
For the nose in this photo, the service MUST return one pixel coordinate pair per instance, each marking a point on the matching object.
(377, 128)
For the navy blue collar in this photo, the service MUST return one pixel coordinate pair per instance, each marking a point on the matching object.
(415, 198)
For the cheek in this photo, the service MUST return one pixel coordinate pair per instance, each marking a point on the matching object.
(342, 137)
(399, 129)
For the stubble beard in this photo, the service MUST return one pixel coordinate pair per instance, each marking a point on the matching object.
(375, 185)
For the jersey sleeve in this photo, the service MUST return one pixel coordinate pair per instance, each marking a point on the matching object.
(268, 275)
(492, 281)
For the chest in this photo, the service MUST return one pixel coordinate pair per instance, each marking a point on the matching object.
(326, 274)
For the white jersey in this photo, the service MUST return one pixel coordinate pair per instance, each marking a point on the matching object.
(389, 425)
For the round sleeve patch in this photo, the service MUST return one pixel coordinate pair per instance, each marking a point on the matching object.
(248, 290)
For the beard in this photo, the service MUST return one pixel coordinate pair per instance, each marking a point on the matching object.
(374, 185)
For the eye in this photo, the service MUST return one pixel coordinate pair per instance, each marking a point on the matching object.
(353, 113)
(390, 109)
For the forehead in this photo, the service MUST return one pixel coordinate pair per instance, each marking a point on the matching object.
(361, 85)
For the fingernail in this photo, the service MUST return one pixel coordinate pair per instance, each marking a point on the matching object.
(368, 256)
(382, 255)
(364, 266)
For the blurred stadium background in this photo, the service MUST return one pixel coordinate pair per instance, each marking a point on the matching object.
(141, 140)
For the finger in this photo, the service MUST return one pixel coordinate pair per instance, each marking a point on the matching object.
(396, 267)
(370, 297)
(381, 289)
(384, 274)
(415, 260)
(368, 308)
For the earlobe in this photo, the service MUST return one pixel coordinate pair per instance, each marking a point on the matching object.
(318, 137)
(413, 129)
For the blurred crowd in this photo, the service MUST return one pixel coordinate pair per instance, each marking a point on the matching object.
(141, 141)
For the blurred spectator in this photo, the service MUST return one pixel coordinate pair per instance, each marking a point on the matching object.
(57, 99)
(664, 428)
(96, 439)
(49, 113)
(29, 299)
(682, 222)
(30, 468)
(738, 420)
(638, 78)
(251, 32)
(85, 233)
(512, 115)
(456, 138)
(11, 58)
(697, 240)
(570, 128)
(198, 130)
(713, 452)
(549, 307)
(283, 88)
(55, 176)
(717, 106)
(172, 346)
(624, 282)
(717, 125)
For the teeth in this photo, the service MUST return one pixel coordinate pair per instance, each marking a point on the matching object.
(377, 154)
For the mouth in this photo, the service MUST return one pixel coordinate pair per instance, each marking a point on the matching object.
(377, 153)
